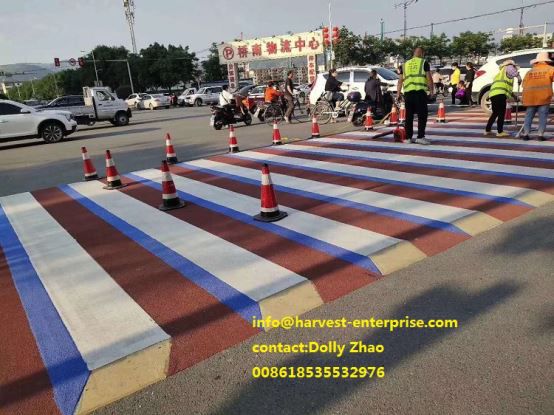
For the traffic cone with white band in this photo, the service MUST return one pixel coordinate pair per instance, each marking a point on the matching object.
(233, 145)
(112, 176)
(402, 117)
(508, 114)
(276, 135)
(441, 113)
(315, 128)
(88, 167)
(170, 155)
(170, 199)
(399, 134)
(269, 211)
(368, 125)
(393, 116)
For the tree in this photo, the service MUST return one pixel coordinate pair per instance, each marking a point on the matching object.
(213, 70)
(436, 47)
(372, 50)
(347, 48)
(471, 45)
(526, 41)
(405, 46)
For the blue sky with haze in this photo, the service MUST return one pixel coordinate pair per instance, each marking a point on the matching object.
(39, 30)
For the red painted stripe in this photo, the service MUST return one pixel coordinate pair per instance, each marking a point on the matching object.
(199, 325)
(430, 240)
(25, 386)
(498, 210)
(434, 154)
(430, 171)
(332, 277)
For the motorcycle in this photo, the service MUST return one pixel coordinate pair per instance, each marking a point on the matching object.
(228, 115)
(357, 114)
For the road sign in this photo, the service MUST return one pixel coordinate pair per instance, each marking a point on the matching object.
(72, 62)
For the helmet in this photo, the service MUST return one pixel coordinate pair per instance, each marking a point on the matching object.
(354, 96)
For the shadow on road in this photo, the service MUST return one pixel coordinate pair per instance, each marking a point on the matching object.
(536, 236)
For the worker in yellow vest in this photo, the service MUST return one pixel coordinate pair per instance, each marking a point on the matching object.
(537, 93)
(415, 77)
(454, 81)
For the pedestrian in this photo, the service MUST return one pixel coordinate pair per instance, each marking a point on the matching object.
(502, 89)
(537, 93)
(373, 93)
(416, 79)
(437, 80)
(333, 92)
(470, 77)
(454, 81)
(461, 93)
(289, 93)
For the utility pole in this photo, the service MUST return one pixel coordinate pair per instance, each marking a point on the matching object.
(330, 38)
(94, 63)
(129, 6)
(431, 30)
(382, 29)
(521, 27)
(405, 5)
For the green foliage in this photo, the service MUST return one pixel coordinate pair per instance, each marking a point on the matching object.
(347, 49)
(472, 45)
(213, 71)
(527, 41)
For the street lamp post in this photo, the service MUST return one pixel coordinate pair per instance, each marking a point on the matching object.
(94, 63)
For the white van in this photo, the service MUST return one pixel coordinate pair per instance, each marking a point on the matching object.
(355, 77)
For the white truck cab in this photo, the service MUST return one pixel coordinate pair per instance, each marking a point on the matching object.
(103, 105)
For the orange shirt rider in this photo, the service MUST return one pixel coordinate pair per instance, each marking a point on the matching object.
(271, 94)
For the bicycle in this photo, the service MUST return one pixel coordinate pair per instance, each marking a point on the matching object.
(273, 113)
(324, 110)
(299, 113)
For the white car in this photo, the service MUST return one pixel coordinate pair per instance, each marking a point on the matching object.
(206, 95)
(181, 99)
(355, 77)
(486, 73)
(21, 121)
(135, 101)
(153, 101)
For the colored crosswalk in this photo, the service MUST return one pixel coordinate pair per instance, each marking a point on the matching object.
(108, 294)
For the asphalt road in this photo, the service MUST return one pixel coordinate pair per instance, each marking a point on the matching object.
(499, 287)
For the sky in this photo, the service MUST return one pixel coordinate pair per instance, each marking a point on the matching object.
(36, 31)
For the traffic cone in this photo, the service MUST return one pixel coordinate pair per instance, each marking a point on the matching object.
(315, 128)
(508, 114)
(402, 117)
(88, 167)
(441, 113)
(276, 134)
(170, 155)
(233, 145)
(394, 116)
(269, 211)
(399, 134)
(112, 176)
(169, 193)
(368, 125)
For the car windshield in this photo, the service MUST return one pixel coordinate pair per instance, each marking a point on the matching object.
(244, 90)
(202, 91)
(386, 74)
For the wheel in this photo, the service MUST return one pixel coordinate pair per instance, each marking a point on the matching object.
(486, 102)
(121, 118)
(300, 113)
(323, 112)
(151, 107)
(218, 125)
(197, 102)
(273, 113)
(358, 120)
(52, 132)
(247, 119)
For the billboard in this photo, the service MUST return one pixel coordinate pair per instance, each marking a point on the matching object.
(276, 47)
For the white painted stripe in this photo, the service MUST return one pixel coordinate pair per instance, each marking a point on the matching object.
(248, 273)
(451, 149)
(511, 141)
(103, 320)
(346, 236)
(419, 208)
(490, 189)
(432, 161)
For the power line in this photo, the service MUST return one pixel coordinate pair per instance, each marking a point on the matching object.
(470, 17)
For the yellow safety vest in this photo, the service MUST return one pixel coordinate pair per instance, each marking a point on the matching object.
(414, 75)
(502, 85)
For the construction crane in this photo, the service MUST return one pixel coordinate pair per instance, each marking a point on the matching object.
(404, 5)
(129, 6)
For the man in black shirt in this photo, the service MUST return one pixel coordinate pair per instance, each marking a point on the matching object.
(373, 93)
(289, 93)
(332, 87)
(470, 77)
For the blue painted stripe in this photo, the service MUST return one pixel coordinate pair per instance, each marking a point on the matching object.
(499, 199)
(66, 368)
(340, 202)
(439, 139)
(237, 301)
(332, 250)
(431, 150)
(414, 164)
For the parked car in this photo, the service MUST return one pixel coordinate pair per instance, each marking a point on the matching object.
(181, 101)
(21, 121)
(153, 101)
(206, 95)
(355, 77)
(135, 101)
(257, 93)
(64, 102)
(486, 73)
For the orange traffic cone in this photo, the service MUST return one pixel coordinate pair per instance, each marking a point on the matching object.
(170, 155)
(112, 176)
(508, 114)
(393, 116)
(269, 211)
(368, 125)
(170, 200)
(276, 134)
(315, 127)
(402, 117)
(399, 134)
(233, 145)
(441, 112)
(88, 167)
